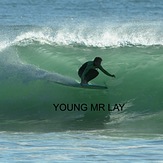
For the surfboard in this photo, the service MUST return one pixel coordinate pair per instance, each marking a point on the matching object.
(66, 81)
(78, 85)
(89, 86)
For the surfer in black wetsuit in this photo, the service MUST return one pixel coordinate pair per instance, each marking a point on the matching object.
(88, 71)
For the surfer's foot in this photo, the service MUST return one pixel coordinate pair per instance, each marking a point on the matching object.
(84, 82)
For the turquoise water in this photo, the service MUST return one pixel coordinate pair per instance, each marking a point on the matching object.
(46, 42)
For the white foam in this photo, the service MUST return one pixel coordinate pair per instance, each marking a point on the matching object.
(29, 37)
(96, 36)
(3, 45)
(111, 35)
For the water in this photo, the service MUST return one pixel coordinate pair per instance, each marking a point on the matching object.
(45, 42)
(78, 146)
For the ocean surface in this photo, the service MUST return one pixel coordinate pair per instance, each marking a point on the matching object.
(43, 43)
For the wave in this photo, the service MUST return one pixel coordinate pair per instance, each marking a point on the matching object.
(33, 58)
(99, 35)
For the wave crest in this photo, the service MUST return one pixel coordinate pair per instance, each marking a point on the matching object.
(96, 36)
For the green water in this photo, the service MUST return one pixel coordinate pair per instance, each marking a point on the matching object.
(28, 95)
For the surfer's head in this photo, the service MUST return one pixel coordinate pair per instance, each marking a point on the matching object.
(97, 61)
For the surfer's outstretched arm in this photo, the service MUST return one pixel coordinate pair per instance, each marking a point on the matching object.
(105, 72)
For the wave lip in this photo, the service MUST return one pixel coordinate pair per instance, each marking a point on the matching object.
(111, 36)
(95, 36)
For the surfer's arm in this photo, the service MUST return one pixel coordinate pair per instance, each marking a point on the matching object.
(105, 72)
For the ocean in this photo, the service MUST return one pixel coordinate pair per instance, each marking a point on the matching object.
(45, 42)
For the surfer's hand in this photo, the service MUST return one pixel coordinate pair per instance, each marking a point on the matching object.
(113, 76)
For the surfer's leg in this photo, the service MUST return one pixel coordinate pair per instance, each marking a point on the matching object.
(80, 72)
(91, 75)
(81, 69)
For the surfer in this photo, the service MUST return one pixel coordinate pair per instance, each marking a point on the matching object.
(88, 71)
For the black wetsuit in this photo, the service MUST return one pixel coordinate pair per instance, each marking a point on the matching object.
(88, 71)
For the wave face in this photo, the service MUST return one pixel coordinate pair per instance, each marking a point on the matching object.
(33, 58)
